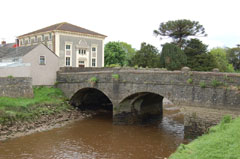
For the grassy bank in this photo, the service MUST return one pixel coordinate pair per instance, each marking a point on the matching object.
(46, 101)
(222, 142)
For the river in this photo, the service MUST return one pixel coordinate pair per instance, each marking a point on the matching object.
(98, 138)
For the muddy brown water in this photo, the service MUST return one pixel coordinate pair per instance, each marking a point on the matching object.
(98, 138)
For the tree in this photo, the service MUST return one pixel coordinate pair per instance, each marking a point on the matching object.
(130, 52)
(172, 57)
(233, 56)
(197, 57)
(220, 56)
(147, 56)
(180, 30)
(118, 53)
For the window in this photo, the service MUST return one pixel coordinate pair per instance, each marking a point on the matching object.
(68, 47)
(94, 52)
(42, 60)
(42, 37)
(93, 49)
(93, 62)
(50, 36)
(35, 39)
(82, 51)
(68, 61)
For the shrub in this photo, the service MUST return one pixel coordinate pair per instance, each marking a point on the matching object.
(10, 76)
(190, 81)
(93, 80)
(202, 84)
(115, 76)
(215, 83)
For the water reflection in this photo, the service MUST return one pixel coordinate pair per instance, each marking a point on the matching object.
(97, 138)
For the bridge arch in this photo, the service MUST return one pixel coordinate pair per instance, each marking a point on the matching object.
(139, 107)
(90, 98)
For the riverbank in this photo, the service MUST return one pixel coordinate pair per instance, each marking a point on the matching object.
(48, 109)
(222, 142)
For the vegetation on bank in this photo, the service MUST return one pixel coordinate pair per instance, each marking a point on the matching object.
(46, 101)
(222, 142)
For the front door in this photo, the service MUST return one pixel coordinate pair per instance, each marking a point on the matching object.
(81, 63)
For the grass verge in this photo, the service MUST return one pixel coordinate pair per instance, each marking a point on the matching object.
(46, 101)
(222, 142)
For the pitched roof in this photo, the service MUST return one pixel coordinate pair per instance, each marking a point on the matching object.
(10, 52)
(65, 27)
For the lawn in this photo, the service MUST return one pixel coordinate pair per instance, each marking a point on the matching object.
(222, 142)
(47, 100)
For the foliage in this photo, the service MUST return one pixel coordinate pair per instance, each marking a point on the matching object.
(180, 30)
(113, 65)
(172, 57)
(115, 76)
(10, 76)
(147, 56)
(130, 53)
(190, 81)
(119, 53)
(46, 101)
(93, 80)
(215, 83)
(220, 56)
(233, 56)
(197, 57)
(222, 142)
(202, 84)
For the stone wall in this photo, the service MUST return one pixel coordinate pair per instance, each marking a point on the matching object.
(198, 120)
(210, 91)
(16, 87)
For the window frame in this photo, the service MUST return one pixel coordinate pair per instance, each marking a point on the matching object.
(44, 61)
(66, 64)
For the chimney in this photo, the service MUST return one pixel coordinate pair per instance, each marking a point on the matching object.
(3, 42)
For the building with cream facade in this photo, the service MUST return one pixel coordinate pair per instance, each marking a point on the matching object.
(75, 46)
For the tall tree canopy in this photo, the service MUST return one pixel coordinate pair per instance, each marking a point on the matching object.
(220, 56)
(180, 30)
(130, 52)
(147, 56)
(197, 57)
(118, 53)
(172, 57)
(233, 56)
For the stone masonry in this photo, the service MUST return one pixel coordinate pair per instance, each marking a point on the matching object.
(16, 87)
(211, 90)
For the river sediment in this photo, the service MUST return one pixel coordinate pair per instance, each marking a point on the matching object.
(42, 123)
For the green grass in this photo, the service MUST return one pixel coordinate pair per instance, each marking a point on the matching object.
(46, 101)
(222, 142)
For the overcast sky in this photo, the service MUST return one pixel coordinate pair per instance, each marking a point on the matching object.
(131, 21)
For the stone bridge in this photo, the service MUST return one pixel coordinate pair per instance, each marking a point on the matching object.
(136, 94)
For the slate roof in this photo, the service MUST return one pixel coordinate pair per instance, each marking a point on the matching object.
(9, 52)
(65, 27)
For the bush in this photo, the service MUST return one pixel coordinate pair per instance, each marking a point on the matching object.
(202, 84)
(215, 83)
(93, 80)
(115, 76)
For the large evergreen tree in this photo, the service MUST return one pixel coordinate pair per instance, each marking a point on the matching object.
(197, 57)
(147, 56)
(172, 57)
(180, 30)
